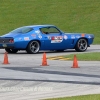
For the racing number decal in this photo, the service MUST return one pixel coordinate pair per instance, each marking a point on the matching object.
(56, 39)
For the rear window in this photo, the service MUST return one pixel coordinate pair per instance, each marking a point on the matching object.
(22, 30)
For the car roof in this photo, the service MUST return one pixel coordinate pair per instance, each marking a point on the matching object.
(39, 26)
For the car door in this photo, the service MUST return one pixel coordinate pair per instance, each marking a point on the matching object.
(53, 38)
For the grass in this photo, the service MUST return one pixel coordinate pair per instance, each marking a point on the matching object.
(85, 56)
(85, 97)
(82, 16)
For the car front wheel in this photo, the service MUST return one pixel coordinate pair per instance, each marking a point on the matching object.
(81, 45)
(33, 47)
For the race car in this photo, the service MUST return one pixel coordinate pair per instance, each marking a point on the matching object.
(34, 38)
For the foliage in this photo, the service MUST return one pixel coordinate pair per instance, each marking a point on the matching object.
(79, 16)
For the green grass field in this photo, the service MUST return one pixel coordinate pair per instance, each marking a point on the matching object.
(69, 15)
(85, 97)
(85, 56)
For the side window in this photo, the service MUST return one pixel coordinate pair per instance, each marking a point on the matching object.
(49, 30)
(53, 30)
(44, 30)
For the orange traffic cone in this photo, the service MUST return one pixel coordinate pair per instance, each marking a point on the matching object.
(5, 58)
(75, 63)
(44, 60)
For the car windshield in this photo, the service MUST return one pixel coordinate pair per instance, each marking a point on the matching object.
(22, 30)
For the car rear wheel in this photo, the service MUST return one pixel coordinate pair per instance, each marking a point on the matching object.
(81, 45)
(33, 47)
(11, 50)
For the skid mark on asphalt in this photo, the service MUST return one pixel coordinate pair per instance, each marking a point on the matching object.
(55, 81)
(48, 72)
(43, 71)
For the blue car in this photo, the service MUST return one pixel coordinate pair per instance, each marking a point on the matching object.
(44, 37)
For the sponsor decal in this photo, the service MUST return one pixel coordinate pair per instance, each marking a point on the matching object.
(33, 35)
(89, 36)
(59, 37)
(83, 35)
(20, 39)
(52, 38)
(37, 31)
(49, 37)
(26, 38)
(65, 37)
(77, 36)
(40, 36)
(72, 37)
(56, 39)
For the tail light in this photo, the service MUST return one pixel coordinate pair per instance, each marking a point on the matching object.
(11, 40)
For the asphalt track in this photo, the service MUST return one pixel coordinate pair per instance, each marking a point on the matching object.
(25, 79)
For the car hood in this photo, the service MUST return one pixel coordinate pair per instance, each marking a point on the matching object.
(74, 33)
(81, 34)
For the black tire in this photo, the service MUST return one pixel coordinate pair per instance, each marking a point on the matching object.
(33, 47)
(11, 50)
(81, 45)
